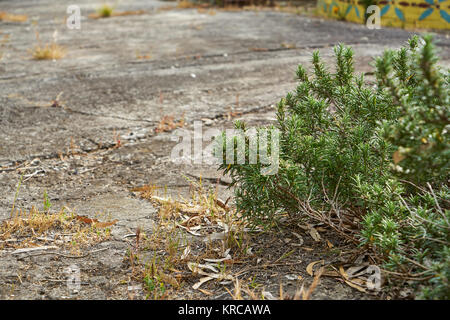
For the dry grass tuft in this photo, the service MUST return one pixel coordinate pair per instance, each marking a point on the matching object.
(185, 4)
(52, 51)
(194, 237)
(3, 41)
(300, 294)
(140, 56)
(63, 229)
(202, 8)
(9, 17)
(128, 13)
(211, 12)
(168, 123)
(48, 51)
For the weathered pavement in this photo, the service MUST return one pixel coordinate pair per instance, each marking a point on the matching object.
(202, 66)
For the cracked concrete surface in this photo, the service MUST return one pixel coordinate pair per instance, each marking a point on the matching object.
(201, 67)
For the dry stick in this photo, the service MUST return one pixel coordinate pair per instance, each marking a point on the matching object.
(285, 255)
(421, 189)
(29, 176)
(332, 202)
(67, 256)
(404, 274)
(317, 216)
(434, 196)
(416, 215)
(436, 240)
(414, 185)
(404, 277)
(417, 264)
(437, 204)
(16, 195)
(313, 285)
(267, 265)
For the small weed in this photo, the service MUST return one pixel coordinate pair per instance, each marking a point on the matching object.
(48, 51)
(155, 287)
(47, 203)
(253, 284)
(105, 11)
(108, 11)
(142, 56)
(167, 123)
(117, 141)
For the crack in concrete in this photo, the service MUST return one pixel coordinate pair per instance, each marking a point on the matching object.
(111, 145)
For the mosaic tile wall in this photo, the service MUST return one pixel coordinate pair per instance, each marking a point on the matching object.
(395, 13)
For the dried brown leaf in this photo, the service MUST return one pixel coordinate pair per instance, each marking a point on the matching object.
(310, 267)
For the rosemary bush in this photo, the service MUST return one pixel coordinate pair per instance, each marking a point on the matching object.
(378, 153)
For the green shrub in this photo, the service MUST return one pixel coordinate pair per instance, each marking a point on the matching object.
(421, 133)
(379, 154)
(411, 232)
(329, 135)
(410, 225)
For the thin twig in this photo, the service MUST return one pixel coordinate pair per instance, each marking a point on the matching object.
(437, 204)
(68, 256)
